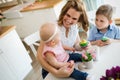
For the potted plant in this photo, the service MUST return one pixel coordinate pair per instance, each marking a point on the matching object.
(87, 60)
(83, 43)
(104, 39)
(87, 56)
(112, 74)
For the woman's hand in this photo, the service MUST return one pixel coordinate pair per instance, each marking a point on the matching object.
(71, 49)
(65, 71)
(71, 63)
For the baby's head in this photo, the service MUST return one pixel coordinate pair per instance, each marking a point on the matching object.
(49, 32)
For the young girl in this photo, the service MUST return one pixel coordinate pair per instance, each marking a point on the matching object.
(104, 27)
(54, 53)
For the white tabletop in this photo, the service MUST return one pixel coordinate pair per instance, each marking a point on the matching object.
(109, 57)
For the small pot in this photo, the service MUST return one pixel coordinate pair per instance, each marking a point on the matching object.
(85, 65)
(88, 65)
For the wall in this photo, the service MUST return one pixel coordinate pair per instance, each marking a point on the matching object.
(116, 5)
(113, 2)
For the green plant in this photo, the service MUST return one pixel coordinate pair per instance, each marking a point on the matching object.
(88, 56)
(104, 39)
(83, 43)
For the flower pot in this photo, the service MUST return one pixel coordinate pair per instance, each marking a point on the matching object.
(85, 65)
(88, 65)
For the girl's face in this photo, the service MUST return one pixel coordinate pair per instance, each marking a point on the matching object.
(71, 17)
(101, 22)
(56, 40)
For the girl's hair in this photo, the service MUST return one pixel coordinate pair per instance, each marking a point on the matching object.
(78, 6)
(106, 10)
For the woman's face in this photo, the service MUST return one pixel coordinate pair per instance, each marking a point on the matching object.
(101, 22)
(71, 17)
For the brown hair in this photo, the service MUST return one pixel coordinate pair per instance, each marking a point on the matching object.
(106, 10)
(78, 6)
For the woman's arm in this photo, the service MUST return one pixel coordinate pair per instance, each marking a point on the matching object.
(68, 48)
(76, 45)
(62, 72)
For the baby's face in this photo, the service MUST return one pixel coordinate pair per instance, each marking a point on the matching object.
(101, 22)
(57, 38)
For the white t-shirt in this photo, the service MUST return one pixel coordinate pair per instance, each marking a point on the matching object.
(72, 35)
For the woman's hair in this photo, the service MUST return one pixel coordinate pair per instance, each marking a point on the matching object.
(106, 10)
(78, 6)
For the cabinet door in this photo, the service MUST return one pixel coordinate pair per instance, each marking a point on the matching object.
(5, 72)
(15, 54)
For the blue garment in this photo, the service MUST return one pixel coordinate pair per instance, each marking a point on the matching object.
(76, 74)
(113, 32)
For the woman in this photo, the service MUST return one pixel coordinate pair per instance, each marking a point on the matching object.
(72, 13)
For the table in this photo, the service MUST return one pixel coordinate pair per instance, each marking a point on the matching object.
(109, 57)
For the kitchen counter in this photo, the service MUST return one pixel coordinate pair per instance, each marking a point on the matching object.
(41, 5)
(5, 30)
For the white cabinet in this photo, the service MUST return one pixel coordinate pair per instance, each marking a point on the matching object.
(15, 62)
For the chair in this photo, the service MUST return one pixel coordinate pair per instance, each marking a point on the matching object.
(31, 41)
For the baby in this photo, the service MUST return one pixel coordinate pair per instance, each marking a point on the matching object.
(54, 53)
